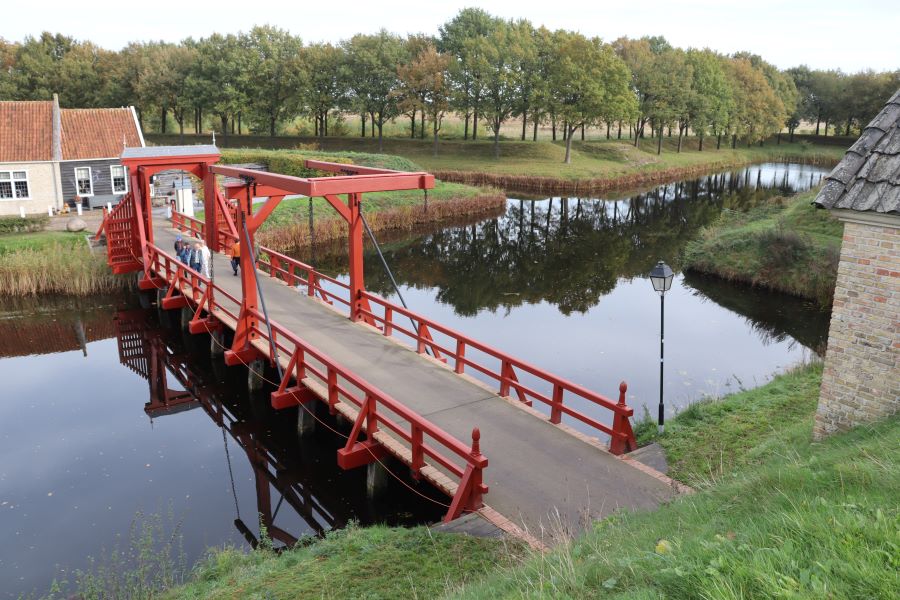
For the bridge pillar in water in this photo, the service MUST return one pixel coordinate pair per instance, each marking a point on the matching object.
(255, 371)
(306, 422)
(376, 480)
(217, 343)
(186, 315)
(162, 313)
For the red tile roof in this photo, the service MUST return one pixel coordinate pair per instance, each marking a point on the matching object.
(26, 131)
(97, 132)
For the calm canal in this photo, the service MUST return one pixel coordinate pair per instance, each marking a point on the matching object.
(85, 449)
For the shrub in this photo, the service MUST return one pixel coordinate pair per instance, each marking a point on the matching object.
(29, 224)
(782, 248)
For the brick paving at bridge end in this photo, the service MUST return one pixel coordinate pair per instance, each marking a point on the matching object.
(544, 480)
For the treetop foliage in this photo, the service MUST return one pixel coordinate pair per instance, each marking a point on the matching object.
(483, 68)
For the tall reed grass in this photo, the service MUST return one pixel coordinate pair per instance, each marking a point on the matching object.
(58, 268)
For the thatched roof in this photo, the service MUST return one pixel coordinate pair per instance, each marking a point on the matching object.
(868, 177)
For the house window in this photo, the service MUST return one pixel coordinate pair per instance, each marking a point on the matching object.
(119, 180)
(14, 185)
(83, 184)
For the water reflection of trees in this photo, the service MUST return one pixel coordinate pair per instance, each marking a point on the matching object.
(774, 317)
(569, 252)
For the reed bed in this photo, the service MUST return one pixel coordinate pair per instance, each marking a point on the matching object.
(295, 234)
(58, 268)
(613, 182)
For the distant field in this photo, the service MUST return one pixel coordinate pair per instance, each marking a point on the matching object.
(590, 160)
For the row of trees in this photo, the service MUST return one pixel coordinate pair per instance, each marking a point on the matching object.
(482, 68)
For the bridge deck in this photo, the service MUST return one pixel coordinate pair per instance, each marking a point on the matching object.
(535, 468)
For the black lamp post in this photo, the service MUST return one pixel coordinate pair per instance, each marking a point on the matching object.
(661, 277)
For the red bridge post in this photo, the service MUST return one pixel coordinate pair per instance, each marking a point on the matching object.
(622, 439)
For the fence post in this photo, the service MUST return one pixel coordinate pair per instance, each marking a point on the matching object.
(504, 378)
(460, 356)
(556, 407)
(622, 440)
(388, 320)
(418, 459)
(420, 338)
(475, 501)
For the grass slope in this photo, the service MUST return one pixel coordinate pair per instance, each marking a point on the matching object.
(786, 244)
(375, 562)
(591, 159)
(777, 517)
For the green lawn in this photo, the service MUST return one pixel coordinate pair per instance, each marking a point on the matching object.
(590, 159)
(38, 240)
(786, 245)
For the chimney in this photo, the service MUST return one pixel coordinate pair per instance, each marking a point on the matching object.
(57, 130)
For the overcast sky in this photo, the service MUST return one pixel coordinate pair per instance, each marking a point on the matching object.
(846, 34)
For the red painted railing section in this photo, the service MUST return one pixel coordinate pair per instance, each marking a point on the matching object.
(462, 353)
(120, 226)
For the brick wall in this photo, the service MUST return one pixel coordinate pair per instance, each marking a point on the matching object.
(861, 381)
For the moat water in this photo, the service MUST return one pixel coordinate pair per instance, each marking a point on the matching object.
(86, 454)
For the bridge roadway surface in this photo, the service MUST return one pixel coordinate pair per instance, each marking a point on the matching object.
(539, 476)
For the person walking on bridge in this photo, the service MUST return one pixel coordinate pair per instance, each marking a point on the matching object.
(235, 257)
(194, 257)
(205, 260)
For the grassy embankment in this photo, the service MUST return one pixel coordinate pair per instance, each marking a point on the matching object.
(597, 165)
(786, 245)
(54, 262)
(288, 225)
(775, 515)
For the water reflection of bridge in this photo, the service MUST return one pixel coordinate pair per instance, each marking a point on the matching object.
(178, 382)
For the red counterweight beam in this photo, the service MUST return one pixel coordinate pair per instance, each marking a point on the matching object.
(356, 181)
(380, 181)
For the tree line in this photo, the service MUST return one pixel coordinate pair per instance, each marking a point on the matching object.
(484, 69)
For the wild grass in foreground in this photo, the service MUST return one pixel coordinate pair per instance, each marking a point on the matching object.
(786, 245)
(151, 559)
(797, 520)
(374, 562)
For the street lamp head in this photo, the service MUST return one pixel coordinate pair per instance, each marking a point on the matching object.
(661, 277)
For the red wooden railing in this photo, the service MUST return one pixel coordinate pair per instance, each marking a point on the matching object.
(394, 320)
(376, 409)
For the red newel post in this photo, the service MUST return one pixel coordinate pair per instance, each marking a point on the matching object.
(475, 500)
(622, 440)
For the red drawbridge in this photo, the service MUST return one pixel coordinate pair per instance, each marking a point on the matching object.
(402, 379)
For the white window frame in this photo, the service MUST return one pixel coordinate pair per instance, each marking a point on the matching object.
(12, 181)
(90, 180)
(112, 179)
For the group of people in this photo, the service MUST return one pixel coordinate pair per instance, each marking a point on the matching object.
(197, 256)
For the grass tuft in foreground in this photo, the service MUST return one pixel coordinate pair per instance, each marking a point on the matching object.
(374, 562)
